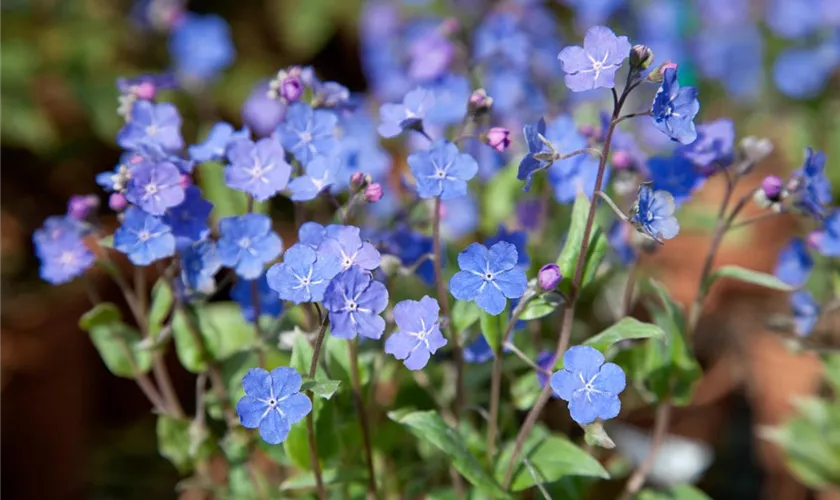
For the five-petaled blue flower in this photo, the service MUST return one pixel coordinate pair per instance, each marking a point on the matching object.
(675, 174)
(518, 239)
(653, 214)
(674, 109)
(442, 171)
(312, 234)
(590, 386)
(530, 164)
(62, 251)
(813, 190)
(151, 124)
(405, 115)
(594, 65)
(303, 275)
(355, 301)
(806, 312)
(828, 240)
(215, 146)
(154, 187)
(199, 265)
(418, 335)
(259, 169)
(714, 148)
(268, 299)
(201, 46)
(488, 277)
(795, 263)
(247, 243)
(189, 219)
(321, 173)
(272, 402)
(307, 132)
(143, 237)
(347, 246)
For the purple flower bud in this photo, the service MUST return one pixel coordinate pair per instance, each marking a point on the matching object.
(622, 160)
(641, 57)
(498, 138)
(588, 131)
(262, 114)
(357, 179)
(814, 239)
(290, 84)
(549, 277)
(373, 192)
(145, 91)
(117, 202)
(480, 102)
(772, 187)
(80, 207)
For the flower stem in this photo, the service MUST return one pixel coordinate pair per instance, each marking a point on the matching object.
(660, 428)
(363, 417)
(255, 299)
(310, 418)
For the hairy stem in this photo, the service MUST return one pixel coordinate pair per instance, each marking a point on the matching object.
(310, 418)
(363, 417)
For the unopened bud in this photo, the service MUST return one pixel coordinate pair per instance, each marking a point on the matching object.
(658, 74)
(549, 277)
(641, 57)
(588, 131)
(357, 179)
(145, 91)
(288, 85)
(756, 149)
(480, 102)
(622, 160)
(772, 187)
(117, 202)
(80, 207)
(497, 138)
(373, 192)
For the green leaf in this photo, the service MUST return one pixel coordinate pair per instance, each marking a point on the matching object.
(107, 241)
(226, 202)
(678, 492)
(430, 427)
(326, 436)
(162, 300)
(118, 344)
(595, 435)
(306, 480)
(322, 388)
(493, 328)
(221, 327)
(567, 260)
(749, 276)
(552, 457)
(498, 198)
(541, 306)
(464, 315)
(627, 328)
(181, 442)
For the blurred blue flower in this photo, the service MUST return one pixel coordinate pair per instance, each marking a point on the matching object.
(320, 174)
(589, 385)
(247, 243)
(61, 250)
(813, 189)
(795, 263)
(201, 46)
(675, 174)
(459, 217)
(442, 171)
(591, 12)
(653, 214)
(674, 109)
(418, 334)
(410, 246)
(429, 55)
(489, 277)
(451, 95)
(499, 37)
(269, 302)
(619, 242)
(261, 113)
(828, 240)
(272, 402)
(594, 65)
(409, 114)
(793, 18)
(733, 57)
(214, 147)
(804, 72)
(199, 265)
(156, 125)
(188, 220)
(546, 360)
(571, 176)
(307, 132)
(714, 148)
(143, 237)
(303, 275)
(806, 312)
(354, 301)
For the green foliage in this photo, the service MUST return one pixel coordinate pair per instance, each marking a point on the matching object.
(430, 427)
(498, 198)
(493, 328)
(748, 276)
(321, 388)
(625, 329)
(551, 456)
(118, 344)
(226, 202)
(182, 442)
(541, 306)
(162, 301)
(464, 315)
(567, 260)
(222, 329)
(678, 492)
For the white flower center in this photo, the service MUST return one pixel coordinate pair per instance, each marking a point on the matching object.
(245, 242)
(144, 235)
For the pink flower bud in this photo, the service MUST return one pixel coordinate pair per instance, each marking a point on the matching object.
(498, 138)
(357, 179)
(80, 207)
(117, 202)
(145, 91)
(373, 192)
(621, 160)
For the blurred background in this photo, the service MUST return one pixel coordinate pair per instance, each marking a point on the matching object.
(72, 430)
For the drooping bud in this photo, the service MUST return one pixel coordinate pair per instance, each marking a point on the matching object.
(357, 179)
(373, 192)
(549, 277)
(658, 74)
(480, 102)
(497, 138)
(772, 187)
(80, 207)
(641, 57)
(117, 202)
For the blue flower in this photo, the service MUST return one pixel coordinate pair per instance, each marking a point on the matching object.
(410, 246)
(418, 335)
(269, 301)
(571, 176)
(156, 125)
(589, 385)
(261, 113)
(307, 132)
(546, 361)
(806, 312)
(653, 214)
(272, 402)
(795, 263)
(813, 189)
(714, 148)
(143, 237)
(459, 217)
(201, 46)
(478, 351)
(828, 240)
(675, 174)
(354, 301)
(803, 72)
(674, 109)
(589, 12)
(793, 18)
(442, 171)
(189, 219)
(312, 234)
(214, 147)
(519, 239)
(530, 164)
(360, 150)
(155, 187)
(303, 275)
(259, 169)
(62, 251)
(199, 265)
(594, 65)
(451, 93)
(408, 114)
(488, 277)
(345, 244)
(430, 55)
(734, 57)
(247, 243)
(500, 36)
(321, 173)
(619, 241)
